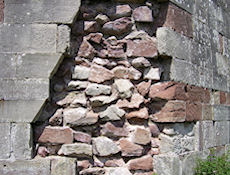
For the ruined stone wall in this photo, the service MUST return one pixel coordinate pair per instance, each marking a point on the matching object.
(113, 87)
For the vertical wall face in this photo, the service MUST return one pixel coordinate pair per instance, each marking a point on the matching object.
(143, 86)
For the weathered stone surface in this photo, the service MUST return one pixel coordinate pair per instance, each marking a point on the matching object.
(95, 37)
(141, 136)
(81, 73)
(91, 26)
(99, 74)
(103, 146)
(77, 85)
(63, 165)
(59, 135)
(35, 167)
(100, 61)
(126, 73)
(174, 17)
(168, 91)
(21, 146)
(5, 141)
(86, 50)
(221, 113)
(173, 111)
(81, 137)
(94, 171)
(193, 111)
(140, 62)
(129, 149)
(111, 130)
(42, 151)
(102, 100)
(221, 137)
(76, 149)
(23, 12)
(116, 51)
(154, 129)
(143, 87)
(79, 100)
(152, 74)
(142, 48)
(124, 87)
(65, 99)
(143, 14)
(97, 89)
(83, 164)
(102, 19)
(155, 142)
(143, 163)
(141, 114)
(123, 11)
(112, 113)
(117, 171)
(63, 40)
(118, 27)
(1, 11)
(135, 102)
(115, 163)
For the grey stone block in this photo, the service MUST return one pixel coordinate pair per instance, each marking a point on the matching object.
(226, 48)
(222, 64)
(63, 165)
(167, 164)
(221, 113)
(19, 111)
(188, 5)
(52, 11)
(208, 134)
(222, 132)
(173, 44)
(201, 10)
(38, 65)
(63, 38)
(206, 77)
(220, 82)
(39, 38)
(5, 140)
(8, 65)
(22, 167)
(6, 89)
(21, 140)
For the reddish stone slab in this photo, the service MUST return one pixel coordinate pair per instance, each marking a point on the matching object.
(81, 137)
(193, 111)
(143, 163)
(130, 149)
(223, 98)
(143, 14)
(56, 135)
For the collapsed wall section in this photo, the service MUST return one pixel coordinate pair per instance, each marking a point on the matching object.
(144, 88)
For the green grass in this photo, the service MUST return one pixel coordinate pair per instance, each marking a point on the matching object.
(214, 165)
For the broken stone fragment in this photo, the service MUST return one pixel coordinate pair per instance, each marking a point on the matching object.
(100, 61)
(86, 50)
(142, 48)
(81, 137)
(94, 37)
(143, 163)
(102, 100)
(143, 87)
(118, 27)
(79, 100)
(112, 113)
(94, 89)
(111, 130)
(83, 164)
(154, 129)
(115, 163)
(93, 171)
(152, 74)
(79, 116)
(99, 74)
(56, 135)
(135, 102)
(124, 87)
(117, 171)
(141, 114)
(81, 73)
(143, 14)
(56, 119)
(42, 151)
(66, 99)
(77, 85)
(129, 149)
(102, 19)
(116, 51)
(141, 62)
(123, 11)
(76, 150)
(103, 146)
(141, 136)
(126, 73)
(91, 26)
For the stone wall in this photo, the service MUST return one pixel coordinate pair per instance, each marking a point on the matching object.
(140, 87)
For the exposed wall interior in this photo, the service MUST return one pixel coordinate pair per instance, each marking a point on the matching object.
(113, 87)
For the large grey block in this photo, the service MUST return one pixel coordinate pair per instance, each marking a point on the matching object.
(19, 111)
(24, 89)
(39, 38)
(208, 134)
(221, 113)
(201, 10)
(222, 132)
(220, 82)
(222, 64)
(5, 140)
(23, 167)
(173, 44)
(42, 11)
(185, 4)
(63, 38)
(167, 164)
(39, 65)
(21, 140)
(8, 65)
